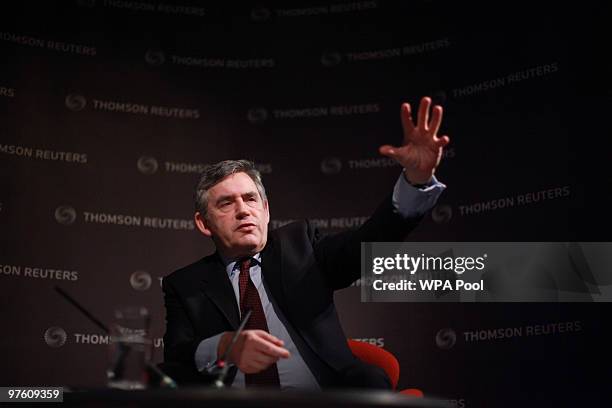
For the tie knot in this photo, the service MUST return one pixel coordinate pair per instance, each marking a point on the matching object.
(245, 265)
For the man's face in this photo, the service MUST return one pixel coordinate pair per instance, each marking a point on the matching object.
(237, 218)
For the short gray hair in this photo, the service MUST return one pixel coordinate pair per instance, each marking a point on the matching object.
(213, 174)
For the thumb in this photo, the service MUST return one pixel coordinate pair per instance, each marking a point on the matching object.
(443, 141)
(388, 150)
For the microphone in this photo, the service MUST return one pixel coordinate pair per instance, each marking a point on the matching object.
(165, 380)
(221, 364)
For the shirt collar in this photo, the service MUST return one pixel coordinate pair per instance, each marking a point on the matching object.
(231, 265)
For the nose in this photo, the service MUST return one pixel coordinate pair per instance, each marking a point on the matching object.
(242, 210)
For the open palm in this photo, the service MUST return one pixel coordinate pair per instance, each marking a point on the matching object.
(421, 150)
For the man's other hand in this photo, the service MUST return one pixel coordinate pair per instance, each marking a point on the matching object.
(421, 150)
(254, 351)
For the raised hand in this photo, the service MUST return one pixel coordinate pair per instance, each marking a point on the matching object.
(421, 150)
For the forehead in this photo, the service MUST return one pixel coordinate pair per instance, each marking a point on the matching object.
(233, 185)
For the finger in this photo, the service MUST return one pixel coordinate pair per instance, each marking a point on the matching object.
(275, 351)
(424, 112)
(436, 119)
(443, 141)
(406, 115)
(271, 349)
(264, 360)
(388, 150)
(254, 359)
(273, 339)
(263, 342)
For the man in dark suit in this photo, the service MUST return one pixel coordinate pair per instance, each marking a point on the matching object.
(287, 277)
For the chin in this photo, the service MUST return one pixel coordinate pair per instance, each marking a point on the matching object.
(251, 246)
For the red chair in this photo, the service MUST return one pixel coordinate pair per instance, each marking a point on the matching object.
(380, 357)
(413, 392)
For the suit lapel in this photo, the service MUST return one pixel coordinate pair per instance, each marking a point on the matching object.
(271, 268)
(217, 286)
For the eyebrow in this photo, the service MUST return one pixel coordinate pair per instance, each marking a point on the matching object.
(231, 196)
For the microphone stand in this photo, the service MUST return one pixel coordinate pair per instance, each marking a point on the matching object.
(165, 380)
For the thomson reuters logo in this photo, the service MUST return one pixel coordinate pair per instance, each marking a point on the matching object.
(260, 14)
(155, 57)
(330, 59)
(446, 338)
(65, 215)
(331, 165)
(257, 115)
(75, 102)
(140, 280)
(147, 165)
(55, 336)
(442, 213)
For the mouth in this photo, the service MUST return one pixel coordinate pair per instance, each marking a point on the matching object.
(246, 227)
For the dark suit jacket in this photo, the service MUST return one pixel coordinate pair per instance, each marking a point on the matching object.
(301, 270)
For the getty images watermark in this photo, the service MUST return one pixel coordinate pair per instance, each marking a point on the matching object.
(486, 272)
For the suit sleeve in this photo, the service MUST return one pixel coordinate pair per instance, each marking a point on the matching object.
(410, 201)
(179, 340)
(339, 255)
(186, 354)
(206, 352)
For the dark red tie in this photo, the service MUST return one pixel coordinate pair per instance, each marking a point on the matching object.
(249, 300)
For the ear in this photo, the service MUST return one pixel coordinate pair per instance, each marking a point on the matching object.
(267, 210)
(202, 224)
